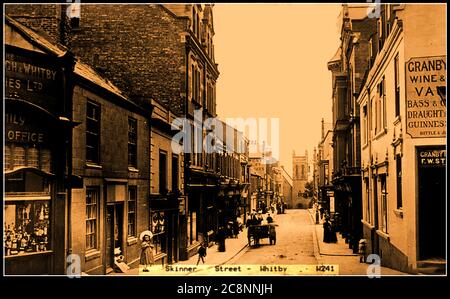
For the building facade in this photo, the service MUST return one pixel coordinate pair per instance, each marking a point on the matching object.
(37, 173)
(348, 68)
(403, 121)
(325, 168)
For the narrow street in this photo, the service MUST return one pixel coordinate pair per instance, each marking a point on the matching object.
(295, 243)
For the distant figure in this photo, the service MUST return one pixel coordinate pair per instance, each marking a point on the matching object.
(327, 230)
(269, 219)
(202, 253)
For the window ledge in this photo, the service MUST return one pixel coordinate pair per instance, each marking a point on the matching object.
(132, 169)
(93, 165)
(383, 235)
(92, 254)
(380, 134)
(398, 212)
(367, 224)
(131, 241)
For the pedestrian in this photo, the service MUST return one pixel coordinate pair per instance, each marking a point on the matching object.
(269, 219)
(362, 250)
(202, 253)
(326, 230)
(146, 257)
(235, 228)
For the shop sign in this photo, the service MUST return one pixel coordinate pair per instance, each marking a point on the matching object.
(426, 97)
(36, 80)
(22, 128)
(432, 157)
(330, 193)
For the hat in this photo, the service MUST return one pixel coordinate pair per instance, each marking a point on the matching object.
(362, 241)
(145, 233)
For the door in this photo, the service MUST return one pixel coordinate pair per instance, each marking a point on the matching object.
(118, 227)
(432, 200)
(109, 236)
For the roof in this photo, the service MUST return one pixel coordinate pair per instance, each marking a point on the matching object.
(51, 48)
(56, 49)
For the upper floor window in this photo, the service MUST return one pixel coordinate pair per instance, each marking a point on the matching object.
(132, 142)
(92, 132)
(162, 172)
(397, 85)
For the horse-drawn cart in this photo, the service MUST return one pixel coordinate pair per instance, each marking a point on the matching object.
(257, 232)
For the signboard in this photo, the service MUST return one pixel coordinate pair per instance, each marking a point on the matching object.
(431, 157)
(332, 209)
(426, 97)
(330, 193)
(34, 79)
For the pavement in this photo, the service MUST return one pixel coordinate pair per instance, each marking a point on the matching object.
(339, 253)
(237, 251)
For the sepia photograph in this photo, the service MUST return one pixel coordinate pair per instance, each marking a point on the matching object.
(224, 139)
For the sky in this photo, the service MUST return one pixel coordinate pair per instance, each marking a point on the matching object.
(273, 64)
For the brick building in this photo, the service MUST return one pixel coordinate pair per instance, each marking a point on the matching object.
(348, 67)
(325, 168)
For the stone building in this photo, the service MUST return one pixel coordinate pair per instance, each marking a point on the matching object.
(348, 67)
(300, 176)
(325, 168)
(403, 120)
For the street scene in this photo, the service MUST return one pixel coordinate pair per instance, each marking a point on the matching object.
(204, 139)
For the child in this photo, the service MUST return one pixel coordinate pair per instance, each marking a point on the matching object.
(146, 252)
(202, 253)
(362, 250)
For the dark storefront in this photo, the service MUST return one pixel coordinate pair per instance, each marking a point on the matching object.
(431, 163)
(37, 142)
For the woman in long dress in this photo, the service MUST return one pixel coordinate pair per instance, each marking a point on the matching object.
(146, 253)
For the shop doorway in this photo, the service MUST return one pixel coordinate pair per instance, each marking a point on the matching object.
(172, 246)
(375, 237)
(432, 203)
(114, 232)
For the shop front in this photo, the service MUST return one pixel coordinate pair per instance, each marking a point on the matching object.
(36, 133)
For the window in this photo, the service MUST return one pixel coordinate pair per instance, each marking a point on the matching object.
(162, 172)
(92, 200)
(26, 227)
(159, 231)
(365, 126)
(92, 132)
(383, 103)
(175, 173)
(368, 210)
(132, 142)
(397, 86)
(383, 203)
(398, 162)
(132, 200)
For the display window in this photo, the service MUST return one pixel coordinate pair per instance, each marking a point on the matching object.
(27, 208)
(159, 231)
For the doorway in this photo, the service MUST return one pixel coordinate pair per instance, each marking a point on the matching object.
(114, 232)
(432, 203)
(375, 237)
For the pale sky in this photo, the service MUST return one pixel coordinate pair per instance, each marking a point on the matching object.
(273, 63)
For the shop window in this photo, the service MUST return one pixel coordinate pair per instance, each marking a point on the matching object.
(26, 226)
(92, 201)
(132, 142)
(92, 132)
(132, 200)
(159, 232)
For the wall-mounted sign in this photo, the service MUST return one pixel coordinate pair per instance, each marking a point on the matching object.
(431, 157)
(35, 79)
(425, 97)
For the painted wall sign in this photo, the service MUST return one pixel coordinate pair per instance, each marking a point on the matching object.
(432, 157)
(425, 97)
(23, 128)
(33, 79)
